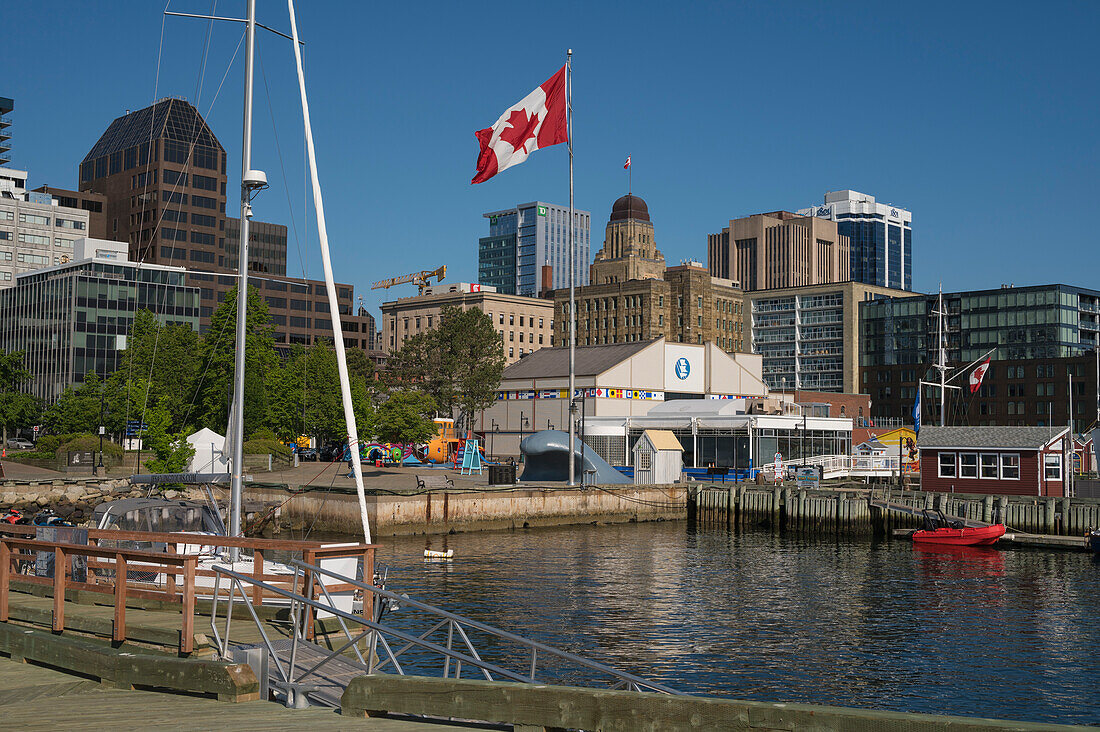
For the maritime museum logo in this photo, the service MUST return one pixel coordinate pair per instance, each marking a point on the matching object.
(683, 368)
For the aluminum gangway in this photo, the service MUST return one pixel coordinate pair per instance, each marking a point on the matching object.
(847, 466)
(428, 641)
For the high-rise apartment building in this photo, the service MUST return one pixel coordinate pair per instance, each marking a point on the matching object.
(635, 297)
(6, 106)
(71, 319)
(526, 251)
(1037, 336)
(809, 336)
(880, 237)
(162, 172)
(779, 249)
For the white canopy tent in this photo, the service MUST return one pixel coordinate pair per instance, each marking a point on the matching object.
(209, 452)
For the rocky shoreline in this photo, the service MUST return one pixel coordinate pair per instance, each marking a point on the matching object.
(72, 501)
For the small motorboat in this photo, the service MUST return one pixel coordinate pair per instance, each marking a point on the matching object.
(1094, 541)
(938, 529)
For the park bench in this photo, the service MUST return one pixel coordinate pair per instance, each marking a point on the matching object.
(713, 471)
(434, 481)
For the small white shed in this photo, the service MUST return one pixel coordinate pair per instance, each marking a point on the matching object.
(658, 458)
(209, 457)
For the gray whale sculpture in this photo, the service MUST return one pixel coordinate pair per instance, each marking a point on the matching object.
(545, 458)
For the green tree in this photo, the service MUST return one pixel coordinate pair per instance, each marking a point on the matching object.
(77, 409)
(16, 408)
(217, 356)
(458, 364)
(406, 416)
(163, 359)
(171, 449)
(305, 395)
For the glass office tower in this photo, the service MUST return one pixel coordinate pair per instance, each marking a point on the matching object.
(526, 239)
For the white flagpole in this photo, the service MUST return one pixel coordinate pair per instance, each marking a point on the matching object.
(334, 305)
(572, 268)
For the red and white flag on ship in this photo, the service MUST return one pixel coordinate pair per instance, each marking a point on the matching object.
(978, 374)
(626, 165)
(536, 121)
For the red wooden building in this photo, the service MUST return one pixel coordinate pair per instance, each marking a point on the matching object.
(998, 460)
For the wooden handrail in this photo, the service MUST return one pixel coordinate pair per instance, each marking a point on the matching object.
(160, 562)
(243, 542)
(16, 543)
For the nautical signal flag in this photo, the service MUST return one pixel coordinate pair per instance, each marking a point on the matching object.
(626, 165)
(534, 122)
(978, 374)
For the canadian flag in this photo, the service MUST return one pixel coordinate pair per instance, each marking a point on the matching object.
(536, 121)
(626, 166)
(978, 374)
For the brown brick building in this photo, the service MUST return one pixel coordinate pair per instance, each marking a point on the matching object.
(161, 175)
(94, 203)
(525, 324)
(635, 297)
(779, 249)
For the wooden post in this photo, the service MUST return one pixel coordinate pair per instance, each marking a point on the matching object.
(307, 589)
(5, 577)
(58, 589)
(258, 575)
(170, 575)
(368, 578)
(187, 633)
(119, 632)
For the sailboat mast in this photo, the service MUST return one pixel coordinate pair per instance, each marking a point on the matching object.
(236, 426)
(942, 361)
(330, 286)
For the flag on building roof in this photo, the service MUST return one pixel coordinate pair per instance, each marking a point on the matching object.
(536, 121)
(626, 166)
(978, 374)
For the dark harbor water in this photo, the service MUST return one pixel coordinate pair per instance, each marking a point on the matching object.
(761, 616)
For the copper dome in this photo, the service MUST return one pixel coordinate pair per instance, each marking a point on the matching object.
(629, 207)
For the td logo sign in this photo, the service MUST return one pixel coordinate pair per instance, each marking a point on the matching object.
(683, 368)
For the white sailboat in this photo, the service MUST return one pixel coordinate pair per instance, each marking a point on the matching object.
(193, 517)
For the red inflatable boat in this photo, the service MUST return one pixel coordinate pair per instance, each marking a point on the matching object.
(939, 530)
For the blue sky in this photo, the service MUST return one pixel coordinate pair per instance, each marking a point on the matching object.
(981, 118)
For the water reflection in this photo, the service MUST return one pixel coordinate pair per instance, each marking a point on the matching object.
(786, 618)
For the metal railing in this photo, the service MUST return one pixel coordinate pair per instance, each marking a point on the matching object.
(445, 646)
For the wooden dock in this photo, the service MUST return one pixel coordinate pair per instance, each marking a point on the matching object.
(33, 697)
(1018, 540)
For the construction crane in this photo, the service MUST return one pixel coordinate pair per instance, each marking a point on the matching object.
(421, 278)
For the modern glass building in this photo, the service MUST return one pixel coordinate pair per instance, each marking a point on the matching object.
(496, 262)
(72, 319)
(1035, 334)
(534, 236)
(880, 236)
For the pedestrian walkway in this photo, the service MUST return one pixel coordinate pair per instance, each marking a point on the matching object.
(33, 697)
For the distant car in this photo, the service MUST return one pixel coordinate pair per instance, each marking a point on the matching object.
(308, 453)
(332, 452)
(20, 444)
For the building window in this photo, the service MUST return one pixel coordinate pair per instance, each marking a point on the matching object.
(947, 464)
(989, 465)
(968, 465)
(1010, 466)
(1052, 467)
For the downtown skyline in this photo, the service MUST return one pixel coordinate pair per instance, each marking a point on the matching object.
(936, 119)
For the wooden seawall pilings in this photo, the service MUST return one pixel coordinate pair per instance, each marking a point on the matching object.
(849, 511)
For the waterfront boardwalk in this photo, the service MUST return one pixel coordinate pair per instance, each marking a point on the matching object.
(854, 510)
(33, 697)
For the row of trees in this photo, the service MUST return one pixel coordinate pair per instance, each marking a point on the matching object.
(178, 381)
